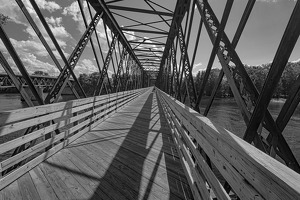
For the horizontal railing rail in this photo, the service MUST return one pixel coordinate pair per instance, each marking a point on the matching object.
(57, 125)
(251, 173)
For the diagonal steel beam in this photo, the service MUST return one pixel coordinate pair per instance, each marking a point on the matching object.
(289, 106)
(186, 69)
(138, 22)
(42, 39)
(282, 55)
(72, 61)
(86, 26)
(234, 43)
(100, 6)
(120, 67)
(20, 65)
(180, 10)
(216, 45)
(15, 80)
(241, 85)
(57, 46)
(103, 74)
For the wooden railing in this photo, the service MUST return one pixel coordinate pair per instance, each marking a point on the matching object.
(56, 125)
(250, 173)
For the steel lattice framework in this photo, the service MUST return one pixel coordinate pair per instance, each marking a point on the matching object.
(159, 51)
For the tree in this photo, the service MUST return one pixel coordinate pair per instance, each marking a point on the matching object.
(3, 19)
(40, 73)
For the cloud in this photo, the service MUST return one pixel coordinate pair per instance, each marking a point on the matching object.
(85, 66)
(196, 68)
(30, 60)
(31, 51)
(130, 35)
(11, 9)
(295, 61)
(73, 11)
(48, 5)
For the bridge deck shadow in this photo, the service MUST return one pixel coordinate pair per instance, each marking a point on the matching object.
(129, 156)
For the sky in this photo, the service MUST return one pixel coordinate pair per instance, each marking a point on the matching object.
(257, 45)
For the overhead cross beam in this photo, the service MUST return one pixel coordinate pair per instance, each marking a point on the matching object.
(109, 20)
(140, 10)
(145, 31)
(180, 10)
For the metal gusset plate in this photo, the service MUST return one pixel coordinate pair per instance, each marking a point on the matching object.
(72, 61)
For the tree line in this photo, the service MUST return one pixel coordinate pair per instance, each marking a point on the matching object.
(258, 75)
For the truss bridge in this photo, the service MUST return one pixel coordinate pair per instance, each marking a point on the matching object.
(140, 126)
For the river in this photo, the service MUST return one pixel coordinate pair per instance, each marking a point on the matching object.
(224, 112)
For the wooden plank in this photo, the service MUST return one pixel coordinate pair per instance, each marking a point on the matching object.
(57, 184)
(162, 144)
(27, 188)
(205, 169)
(140, 154)
(197, 182)
(114, 188)
(37, 148)
(11, 192)
(133, 169)
(71, 183)
(256, 167)
(28, 166)
(13, 160)
(6, 129)
(42, 185)
(135, 184)
(235, 179)
(25, 113)
(84, 174)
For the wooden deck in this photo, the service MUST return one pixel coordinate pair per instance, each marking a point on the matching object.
(129, 156)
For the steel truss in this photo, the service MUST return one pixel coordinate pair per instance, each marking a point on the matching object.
(135, 64)
(253, 105)
(102, 13)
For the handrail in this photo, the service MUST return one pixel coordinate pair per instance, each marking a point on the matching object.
(251, 173)
(73, 119)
